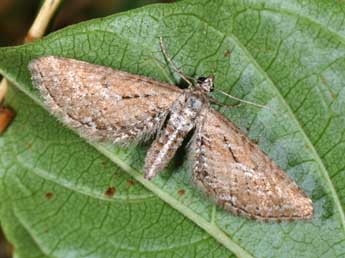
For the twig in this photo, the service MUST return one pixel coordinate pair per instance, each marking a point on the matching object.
(3, 89)
(42, 19)
(36, 31)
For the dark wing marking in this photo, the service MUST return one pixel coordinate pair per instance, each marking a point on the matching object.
(101, 102)
(240, 177)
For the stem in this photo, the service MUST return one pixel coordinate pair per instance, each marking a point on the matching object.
(3, 89)
(36, 31)
(42, 19)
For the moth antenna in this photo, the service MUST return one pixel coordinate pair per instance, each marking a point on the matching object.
(164, 64)
(242, 100)
(165, 52)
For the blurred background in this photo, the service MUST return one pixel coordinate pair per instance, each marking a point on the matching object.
(16, 17)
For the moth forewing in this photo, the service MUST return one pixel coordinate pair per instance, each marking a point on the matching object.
(242, 178)
(102, 103)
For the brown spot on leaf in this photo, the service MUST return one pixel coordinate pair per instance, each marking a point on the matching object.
(49, 195)
(227, 53)
(130, 182)
(325, 82)
(115, 174)
(6, 248)
(110, 191)
(181, 192)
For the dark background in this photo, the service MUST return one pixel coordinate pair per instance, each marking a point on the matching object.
(16, 17)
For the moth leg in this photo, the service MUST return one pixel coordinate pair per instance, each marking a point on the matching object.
(215, 101)
(242, 100)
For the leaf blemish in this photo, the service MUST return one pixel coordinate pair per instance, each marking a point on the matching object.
(110, 191)
(181, 192)
(49, 195)
(130, 182)
(227, 53)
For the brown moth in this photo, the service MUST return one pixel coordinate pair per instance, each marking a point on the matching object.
(107, 104)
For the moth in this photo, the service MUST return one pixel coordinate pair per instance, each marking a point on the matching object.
(107, 104)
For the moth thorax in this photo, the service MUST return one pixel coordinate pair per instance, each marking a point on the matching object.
(194, 103)
(206, 83)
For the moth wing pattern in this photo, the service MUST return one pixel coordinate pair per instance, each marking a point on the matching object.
(231, 169)
(102, 103)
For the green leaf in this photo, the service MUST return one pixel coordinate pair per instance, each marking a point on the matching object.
(287, 54)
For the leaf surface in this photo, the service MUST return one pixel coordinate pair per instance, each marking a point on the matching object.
(61, 197)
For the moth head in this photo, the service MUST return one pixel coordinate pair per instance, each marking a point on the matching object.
(206, 83)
